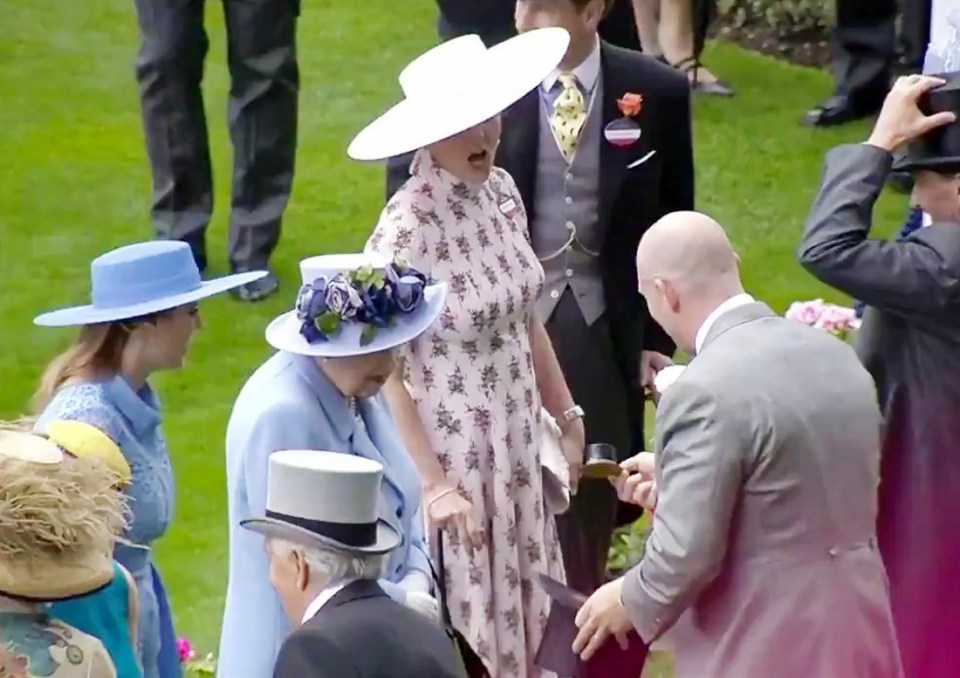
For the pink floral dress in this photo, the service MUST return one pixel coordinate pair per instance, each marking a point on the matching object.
(472, 378)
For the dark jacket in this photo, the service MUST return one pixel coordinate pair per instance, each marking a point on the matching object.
(910, 343)
(362, 633)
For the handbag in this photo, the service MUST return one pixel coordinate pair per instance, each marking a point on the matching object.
(553, 466)
(472, 663)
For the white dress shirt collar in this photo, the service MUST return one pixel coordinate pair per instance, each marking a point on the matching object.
(587, 73)
(320, 601)
(733, 302)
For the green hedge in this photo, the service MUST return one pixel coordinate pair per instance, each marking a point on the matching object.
(786, 17)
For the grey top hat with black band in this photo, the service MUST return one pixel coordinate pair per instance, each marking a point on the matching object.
(325, 499)
(939, 149)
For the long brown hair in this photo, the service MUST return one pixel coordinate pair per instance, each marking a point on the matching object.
(97, 350)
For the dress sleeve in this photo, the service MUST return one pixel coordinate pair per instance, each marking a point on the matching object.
(399, 234)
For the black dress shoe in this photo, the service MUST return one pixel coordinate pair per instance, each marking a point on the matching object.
(840, 109)
(691, 68)
(258, 290)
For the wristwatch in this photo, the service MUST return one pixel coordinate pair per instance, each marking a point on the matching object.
(575, 412)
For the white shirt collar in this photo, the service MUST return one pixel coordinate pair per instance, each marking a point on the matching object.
(733, 302)
(320, 601)
(927, 220)
(586, 73)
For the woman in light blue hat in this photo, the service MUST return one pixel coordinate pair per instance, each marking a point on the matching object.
(321, 391)
(142, 315)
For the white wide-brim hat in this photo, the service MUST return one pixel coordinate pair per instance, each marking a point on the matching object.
(284, 332)
(142, 279)
(458, 85)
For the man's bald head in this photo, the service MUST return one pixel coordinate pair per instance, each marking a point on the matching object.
(690, 250)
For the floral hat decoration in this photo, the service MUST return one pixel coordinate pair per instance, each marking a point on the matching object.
(355, 304)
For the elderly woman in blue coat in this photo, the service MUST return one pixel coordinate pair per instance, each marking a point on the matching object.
(321, 391)
(142, 316)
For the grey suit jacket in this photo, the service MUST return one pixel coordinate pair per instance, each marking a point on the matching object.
(762, 557)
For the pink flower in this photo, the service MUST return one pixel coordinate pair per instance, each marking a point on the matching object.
(806, 312)
(185, 650)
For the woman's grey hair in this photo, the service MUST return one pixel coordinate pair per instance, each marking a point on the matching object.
(332, 565)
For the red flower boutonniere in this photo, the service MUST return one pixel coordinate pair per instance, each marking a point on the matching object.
(630, 104)
(624, 131)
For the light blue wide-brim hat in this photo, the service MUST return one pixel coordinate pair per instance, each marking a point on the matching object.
(140, 279)
(284, 332)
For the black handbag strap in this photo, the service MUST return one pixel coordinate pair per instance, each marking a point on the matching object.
(440, 578)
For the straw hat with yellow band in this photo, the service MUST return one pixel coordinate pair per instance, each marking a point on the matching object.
(59, 518)
(84, 441)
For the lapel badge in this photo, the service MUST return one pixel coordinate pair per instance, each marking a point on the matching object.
(624, 131)
(508, 207)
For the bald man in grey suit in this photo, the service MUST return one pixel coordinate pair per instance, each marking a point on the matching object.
(763, 558)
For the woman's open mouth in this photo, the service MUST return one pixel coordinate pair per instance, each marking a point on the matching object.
(478, 160)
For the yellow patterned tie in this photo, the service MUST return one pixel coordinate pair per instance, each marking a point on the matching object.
(569, 115)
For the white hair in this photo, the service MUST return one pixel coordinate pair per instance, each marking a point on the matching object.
(332, 565)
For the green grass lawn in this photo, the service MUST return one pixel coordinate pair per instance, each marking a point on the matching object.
(74, 182)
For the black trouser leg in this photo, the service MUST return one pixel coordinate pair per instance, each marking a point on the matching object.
(915, 32)
(619, 27)
(262, 111)
(169, 72)
(588, 360)
(864, 47)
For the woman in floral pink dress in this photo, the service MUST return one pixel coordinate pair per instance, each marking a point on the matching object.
(468, 403)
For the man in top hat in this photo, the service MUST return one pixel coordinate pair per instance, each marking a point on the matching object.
(599, 151)
(58, 525)
(762, 560)
(326, 546)
(910, 342)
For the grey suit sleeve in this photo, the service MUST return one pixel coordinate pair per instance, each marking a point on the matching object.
(911, 276)
(699, 476)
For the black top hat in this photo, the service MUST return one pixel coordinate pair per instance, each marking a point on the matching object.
(555, 653)
(938, 150)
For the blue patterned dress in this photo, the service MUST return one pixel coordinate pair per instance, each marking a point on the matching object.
(132, 419)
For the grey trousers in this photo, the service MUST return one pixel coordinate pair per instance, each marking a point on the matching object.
(586, 356)
(262, 115)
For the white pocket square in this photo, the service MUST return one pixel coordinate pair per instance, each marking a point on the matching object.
(637, 163)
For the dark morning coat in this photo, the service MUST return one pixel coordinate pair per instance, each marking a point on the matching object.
(631, 199)
(362, 633)
(910, 342)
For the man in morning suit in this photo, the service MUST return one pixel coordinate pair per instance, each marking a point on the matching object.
(589, 201)
(762, 560)
(326, 545)
(910, 343)
(262, 112)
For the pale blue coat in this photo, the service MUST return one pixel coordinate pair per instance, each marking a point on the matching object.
(288, 403)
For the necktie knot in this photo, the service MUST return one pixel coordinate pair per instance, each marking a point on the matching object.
(569, 115)
(568, 81)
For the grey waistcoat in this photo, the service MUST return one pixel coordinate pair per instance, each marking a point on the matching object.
(566, 202)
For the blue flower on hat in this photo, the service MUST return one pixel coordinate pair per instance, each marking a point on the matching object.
(364, 297)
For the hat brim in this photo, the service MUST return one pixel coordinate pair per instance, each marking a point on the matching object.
(91, 315)
(284, 332)
(46, 580)
(906, 164)
(514, 67)
(388, 538)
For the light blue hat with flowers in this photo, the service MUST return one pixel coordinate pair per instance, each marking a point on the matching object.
(141, 279)
(356, 304)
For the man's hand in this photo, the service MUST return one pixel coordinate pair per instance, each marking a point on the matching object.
(651, 362)
(600, 617)
(636, 485)
(900, 119)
